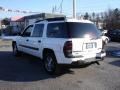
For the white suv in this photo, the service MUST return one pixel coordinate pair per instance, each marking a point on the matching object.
(61, 41)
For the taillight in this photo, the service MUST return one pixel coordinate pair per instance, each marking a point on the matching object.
(68, 49)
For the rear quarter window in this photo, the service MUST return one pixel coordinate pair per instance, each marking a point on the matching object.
(56, 30)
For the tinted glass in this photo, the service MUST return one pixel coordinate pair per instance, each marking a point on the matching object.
(72, 30)
(38, 30)
(79, 30)
(57, 30)
(28, 31)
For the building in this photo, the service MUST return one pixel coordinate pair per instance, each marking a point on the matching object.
(33, 18)
(18, 23)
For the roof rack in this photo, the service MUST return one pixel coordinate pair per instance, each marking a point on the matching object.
(52, 19)
(55, 19)
(38, 21)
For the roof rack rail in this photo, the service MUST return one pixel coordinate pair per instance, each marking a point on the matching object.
(52, 19)
(38, 21)
(56, 19)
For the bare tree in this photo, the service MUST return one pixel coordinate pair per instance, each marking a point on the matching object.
(112, 19)
(5, 21)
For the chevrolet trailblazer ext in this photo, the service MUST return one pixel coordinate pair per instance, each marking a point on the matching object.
(61, 41)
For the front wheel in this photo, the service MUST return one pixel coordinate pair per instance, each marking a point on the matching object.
(50, 63)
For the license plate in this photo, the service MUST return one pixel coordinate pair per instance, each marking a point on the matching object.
(90, 45)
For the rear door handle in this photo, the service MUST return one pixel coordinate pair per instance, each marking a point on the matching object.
(39, 41)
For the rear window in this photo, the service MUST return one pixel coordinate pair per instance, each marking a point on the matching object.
(72, 30)
(79, 30)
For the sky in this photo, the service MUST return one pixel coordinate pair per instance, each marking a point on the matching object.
(82, 6)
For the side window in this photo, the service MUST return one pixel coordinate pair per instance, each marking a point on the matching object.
(38, 30)
(57, 30)
(27, 31)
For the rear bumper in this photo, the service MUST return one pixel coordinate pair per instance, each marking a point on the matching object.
(87, 58)
(99, 57)
(86, 61)
(82, 63)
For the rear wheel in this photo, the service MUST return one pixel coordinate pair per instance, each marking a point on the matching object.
(15, 50)
(50, 63)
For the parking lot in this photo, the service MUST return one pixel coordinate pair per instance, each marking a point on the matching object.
(27, 73)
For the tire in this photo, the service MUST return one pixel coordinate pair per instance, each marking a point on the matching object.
(50, 63)
(15, 50)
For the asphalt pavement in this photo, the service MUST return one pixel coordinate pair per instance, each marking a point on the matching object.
(27, 73)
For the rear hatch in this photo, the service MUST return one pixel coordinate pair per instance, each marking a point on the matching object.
(85, 38)
(86, 46)
(81, 38)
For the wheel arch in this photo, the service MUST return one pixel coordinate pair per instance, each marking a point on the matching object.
(45, 50)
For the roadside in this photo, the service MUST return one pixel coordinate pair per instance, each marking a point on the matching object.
(113, 49)
(5, 45)
(112, 46)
